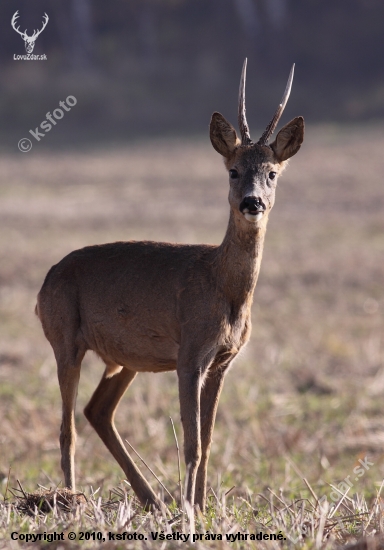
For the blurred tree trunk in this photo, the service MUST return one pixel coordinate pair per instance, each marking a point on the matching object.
(82, 37)
(74, 25)
(249, 18)
(275, 53)
(277, 12)
(147, 33)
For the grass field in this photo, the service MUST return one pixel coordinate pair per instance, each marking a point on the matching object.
(303, 402)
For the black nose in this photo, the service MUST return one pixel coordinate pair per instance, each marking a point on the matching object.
(253, 205)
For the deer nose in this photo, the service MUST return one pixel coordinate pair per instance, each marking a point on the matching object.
(252, 205)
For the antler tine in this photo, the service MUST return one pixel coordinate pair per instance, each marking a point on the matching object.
(279, 111)
(13, 23)
(45, 22)
(243, 125)
(14, 17)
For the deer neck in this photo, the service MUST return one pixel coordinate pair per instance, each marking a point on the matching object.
(239, 259)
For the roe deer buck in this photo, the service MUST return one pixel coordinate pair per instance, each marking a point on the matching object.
(154, 307)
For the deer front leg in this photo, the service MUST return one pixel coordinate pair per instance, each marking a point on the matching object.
(209, 401)
(189, 394)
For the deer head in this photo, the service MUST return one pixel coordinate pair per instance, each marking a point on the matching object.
(254, 167)
(29, 41)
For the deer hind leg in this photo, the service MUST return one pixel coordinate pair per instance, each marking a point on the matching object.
(100, 412)
(68, 375)
(209, 401)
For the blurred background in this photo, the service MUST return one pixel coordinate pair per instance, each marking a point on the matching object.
(132, 160)
(147, 67)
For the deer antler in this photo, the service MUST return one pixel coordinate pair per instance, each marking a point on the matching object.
(243, 125)
(45, 21)
(13, 23)
(279, 111)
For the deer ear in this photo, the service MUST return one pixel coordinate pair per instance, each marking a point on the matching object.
(223, 135)
(288, 141)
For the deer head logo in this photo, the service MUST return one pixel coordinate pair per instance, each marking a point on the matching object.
(29, 41)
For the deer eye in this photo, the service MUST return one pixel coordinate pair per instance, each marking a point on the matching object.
(233, 174)
(272, 175)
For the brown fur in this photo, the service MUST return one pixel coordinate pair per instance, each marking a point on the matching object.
(147, 306)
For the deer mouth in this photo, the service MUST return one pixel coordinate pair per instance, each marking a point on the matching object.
(252, 209)
(253, 216)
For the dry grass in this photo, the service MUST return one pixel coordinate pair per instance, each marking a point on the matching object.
(303, 400)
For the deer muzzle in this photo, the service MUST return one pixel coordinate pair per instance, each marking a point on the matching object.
(252, 208)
